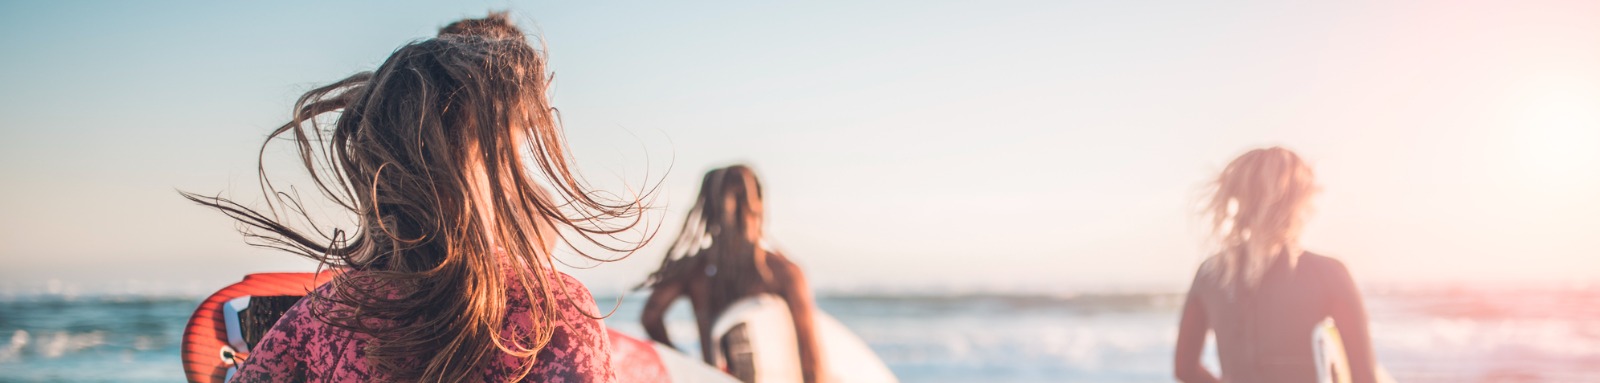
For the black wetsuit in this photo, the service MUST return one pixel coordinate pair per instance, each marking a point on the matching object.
(1264, 335)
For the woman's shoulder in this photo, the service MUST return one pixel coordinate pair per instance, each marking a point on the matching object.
(777, 259)
(1210, 268)
(577, 349)
(784, 268)
(557, 284)
(574, 288)
(574, 307)
(1314, 262)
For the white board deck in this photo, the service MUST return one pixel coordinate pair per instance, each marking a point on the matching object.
(1332, 366)
(770, 331)
(682, 368)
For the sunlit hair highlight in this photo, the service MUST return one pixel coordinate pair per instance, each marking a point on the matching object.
(1256, 210)
(452, 160)
(721, 238)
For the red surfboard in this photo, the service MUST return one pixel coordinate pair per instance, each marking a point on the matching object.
(219, 335)
(213, 342)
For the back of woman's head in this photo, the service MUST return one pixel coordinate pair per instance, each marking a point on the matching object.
(721, 236)
(730, 199)
(496, 26)
(430, 152)
(1257, 208)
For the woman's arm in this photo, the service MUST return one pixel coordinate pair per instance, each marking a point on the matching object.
(797, 293)
(655, 310)
(1350, 316)
(1192, 329)
(278, 356)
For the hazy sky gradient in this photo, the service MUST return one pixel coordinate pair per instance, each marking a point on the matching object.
(1009, 145)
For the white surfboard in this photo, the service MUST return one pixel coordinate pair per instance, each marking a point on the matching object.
(682, 368)
(1332, 366)
(756, 336)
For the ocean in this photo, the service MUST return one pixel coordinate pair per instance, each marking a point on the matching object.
(1547, 335)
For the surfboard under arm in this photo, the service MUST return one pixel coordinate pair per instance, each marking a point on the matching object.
(1332, 363)
(756, 342)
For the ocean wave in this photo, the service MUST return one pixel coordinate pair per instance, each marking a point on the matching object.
(959, 337)
(13, 349)
(50, 346)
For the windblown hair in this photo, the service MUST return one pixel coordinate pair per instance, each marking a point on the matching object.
(721, 239)
(431, 154)
(1256, 209)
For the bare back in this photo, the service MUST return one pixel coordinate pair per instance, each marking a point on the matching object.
(788, 283)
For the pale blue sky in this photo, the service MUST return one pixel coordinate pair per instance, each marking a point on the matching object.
(1008, 145)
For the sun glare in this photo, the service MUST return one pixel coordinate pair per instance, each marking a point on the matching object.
(1557, 131)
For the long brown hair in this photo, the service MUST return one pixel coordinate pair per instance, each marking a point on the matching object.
(430, 153)
(721, 238)
(1257, 209)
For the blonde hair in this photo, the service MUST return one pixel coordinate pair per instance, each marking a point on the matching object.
(1256, 209)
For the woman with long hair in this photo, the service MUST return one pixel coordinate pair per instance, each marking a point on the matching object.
(1262, 295)
(448, 274)
(720, 257)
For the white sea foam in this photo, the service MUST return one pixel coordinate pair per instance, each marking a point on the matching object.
(55, 345)
(1025, 338)
(13, 349)
(63, 343)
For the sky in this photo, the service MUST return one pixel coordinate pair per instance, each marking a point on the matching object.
(904, 145)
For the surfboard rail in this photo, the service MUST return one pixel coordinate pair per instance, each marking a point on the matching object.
(211, 347)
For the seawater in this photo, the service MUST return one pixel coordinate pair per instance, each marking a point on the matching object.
(1435, 336)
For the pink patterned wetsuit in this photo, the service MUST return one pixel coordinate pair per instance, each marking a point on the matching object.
(303, 349)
